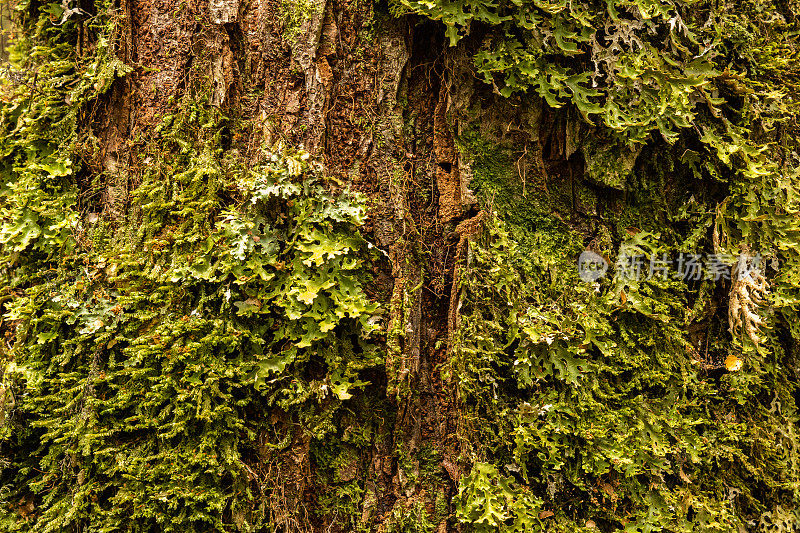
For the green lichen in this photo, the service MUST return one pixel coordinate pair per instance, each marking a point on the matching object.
(603, 400)
(147, 344)
(170, 357)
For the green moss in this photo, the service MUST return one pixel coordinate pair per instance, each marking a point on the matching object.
(408, 519)
(608, 163)
(160, 356)
(147, 353)
(295, 13)
(601, 395)
(530, 208)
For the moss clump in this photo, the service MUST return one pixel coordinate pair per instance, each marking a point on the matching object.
(156, 352)
(612, 404)
(296, 13)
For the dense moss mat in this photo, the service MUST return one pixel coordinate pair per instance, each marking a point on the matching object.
(164, 353)
(170, 355)
(633, 404)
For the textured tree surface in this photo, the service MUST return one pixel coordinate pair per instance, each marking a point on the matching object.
(312, 265)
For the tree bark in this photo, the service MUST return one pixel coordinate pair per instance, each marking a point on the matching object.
(385, 102)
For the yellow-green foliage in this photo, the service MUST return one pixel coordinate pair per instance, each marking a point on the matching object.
(636, 65)
(152, 350)
(161, 353)
(593, 406)
(590, 404)
(295, 13)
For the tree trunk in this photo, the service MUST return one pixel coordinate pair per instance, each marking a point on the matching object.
(478, 204)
